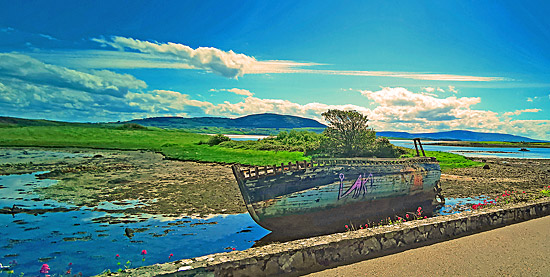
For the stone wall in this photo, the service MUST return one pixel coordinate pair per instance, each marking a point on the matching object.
(318, 253)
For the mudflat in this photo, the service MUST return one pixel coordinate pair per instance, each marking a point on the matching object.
(174, 188)
(519, 175)
(167, 187)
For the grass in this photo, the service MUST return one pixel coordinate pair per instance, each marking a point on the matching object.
(172, 143)
(175, 144)
(449, 160)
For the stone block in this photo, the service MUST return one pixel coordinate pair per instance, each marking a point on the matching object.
(271, 268)
(372, 244)
(410, 237)
(388, 243)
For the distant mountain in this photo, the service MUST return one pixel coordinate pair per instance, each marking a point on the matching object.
(265, 120)
(458, 135)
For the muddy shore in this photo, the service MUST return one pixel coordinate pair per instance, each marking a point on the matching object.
(167, 187)
(176, 188)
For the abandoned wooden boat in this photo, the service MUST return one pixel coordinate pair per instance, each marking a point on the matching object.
(322, 196)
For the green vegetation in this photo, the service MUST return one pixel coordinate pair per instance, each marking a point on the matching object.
(293, 141)
(286, 146)
(447, 160)
(173, 144)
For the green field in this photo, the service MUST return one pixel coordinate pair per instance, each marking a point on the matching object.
(173, 144)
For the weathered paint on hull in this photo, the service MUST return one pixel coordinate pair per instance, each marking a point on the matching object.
(322, 199)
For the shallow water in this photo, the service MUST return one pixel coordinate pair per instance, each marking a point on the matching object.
(482, 152)
(457, 205)
(84, 237)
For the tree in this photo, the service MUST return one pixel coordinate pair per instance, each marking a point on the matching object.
(347, 134)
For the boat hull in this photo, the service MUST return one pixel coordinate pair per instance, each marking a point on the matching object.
(318, 199)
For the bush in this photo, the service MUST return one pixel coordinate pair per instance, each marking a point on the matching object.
(131, 126)
(217, 139)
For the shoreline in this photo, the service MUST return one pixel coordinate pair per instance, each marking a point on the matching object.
(176, 188)
(486, 145)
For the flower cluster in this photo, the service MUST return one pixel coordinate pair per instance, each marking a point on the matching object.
(388, 221)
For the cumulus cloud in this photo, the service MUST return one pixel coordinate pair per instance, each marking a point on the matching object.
(403, 105)
(30, 70)
(429, 89)
(55, 92)
(225, 63)
(453, 89)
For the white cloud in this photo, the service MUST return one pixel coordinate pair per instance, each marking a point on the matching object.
(233, 65)
(429, 89)
(237, 91)
(225, 63)
(440, 89)
(518, 112)
(453, 89)
(30, 70)
(400, 104)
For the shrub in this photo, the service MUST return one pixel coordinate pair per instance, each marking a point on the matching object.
(217, 139)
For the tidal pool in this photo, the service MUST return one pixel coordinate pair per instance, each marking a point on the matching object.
(58, 234)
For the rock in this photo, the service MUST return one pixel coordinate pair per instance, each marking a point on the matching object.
(486, 166)
(372, 244)
(388, 243)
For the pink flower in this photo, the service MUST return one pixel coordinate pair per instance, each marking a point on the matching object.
(346, 226)
(425, 217)
(117, 255)
(45, 268)
(143, 252)
(523, 191)
(70, 264)
(233, 249)
(407, 216)
(170, 257)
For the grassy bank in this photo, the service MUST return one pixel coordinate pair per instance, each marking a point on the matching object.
(175, 144)
(172, 143)
(448, 161)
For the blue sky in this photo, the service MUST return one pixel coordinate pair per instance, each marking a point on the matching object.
(415, 66)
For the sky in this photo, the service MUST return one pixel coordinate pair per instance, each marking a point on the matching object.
(413, 66)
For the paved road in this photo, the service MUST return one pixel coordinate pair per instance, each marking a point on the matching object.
(521, 249)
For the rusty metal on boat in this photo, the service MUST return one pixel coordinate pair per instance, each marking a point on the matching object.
(322, 196)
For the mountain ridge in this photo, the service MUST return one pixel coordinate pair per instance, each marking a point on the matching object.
(268, 121)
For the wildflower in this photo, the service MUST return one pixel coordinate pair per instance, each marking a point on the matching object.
(425, 217)
(346, 226)
(233, 249)
(45, 268)
(407, 216)
(170, 256)
(70, 264)
(117, 255)
(143, 252)
(523, 191)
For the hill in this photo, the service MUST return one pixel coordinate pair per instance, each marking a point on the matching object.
(459, 135)
(265, 120)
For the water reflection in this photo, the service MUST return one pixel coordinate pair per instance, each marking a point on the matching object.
(89, 238)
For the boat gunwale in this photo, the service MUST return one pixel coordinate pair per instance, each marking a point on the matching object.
(248, 172)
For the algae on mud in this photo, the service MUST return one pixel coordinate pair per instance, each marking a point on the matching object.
(166, 187)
